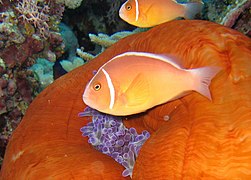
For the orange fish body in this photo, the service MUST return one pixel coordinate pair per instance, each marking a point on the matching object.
(133, 82)
(148, 13)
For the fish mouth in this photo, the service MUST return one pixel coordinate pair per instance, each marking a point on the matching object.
(88, 101)
(121, 15)
(85, 99)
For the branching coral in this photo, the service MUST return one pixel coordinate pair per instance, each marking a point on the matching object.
(105, 41)
(31, 11)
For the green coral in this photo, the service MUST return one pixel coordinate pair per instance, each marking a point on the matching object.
(106, 41)
(72, 4)
(68, 65)
(84, 55)
(2, 64)
(43, 70)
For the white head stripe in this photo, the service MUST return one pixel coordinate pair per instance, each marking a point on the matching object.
(137, 10)
(111, 88)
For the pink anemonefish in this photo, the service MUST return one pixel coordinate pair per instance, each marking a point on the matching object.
(148, 13)
(133, 82)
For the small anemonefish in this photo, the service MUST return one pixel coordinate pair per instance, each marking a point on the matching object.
(133, 82)
(148, 13)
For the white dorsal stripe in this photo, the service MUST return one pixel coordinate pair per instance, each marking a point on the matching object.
(150, 55)
(160, 57)
(111, 88)
(137, 10)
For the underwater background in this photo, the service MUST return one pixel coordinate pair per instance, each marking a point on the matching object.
(40, 40)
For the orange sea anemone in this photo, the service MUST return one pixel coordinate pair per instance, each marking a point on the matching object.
(191, 137)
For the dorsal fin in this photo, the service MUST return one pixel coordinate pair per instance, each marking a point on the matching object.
(171, 59)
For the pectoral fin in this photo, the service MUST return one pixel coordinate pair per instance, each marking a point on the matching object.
(138, 91)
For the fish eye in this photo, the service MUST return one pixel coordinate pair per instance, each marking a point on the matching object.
(128, 6)
(97, 86)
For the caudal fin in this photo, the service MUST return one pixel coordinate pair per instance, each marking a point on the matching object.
(192, 8)
(203, 77)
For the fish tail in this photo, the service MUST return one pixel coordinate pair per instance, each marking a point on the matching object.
(192, 8)
(203, 77)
